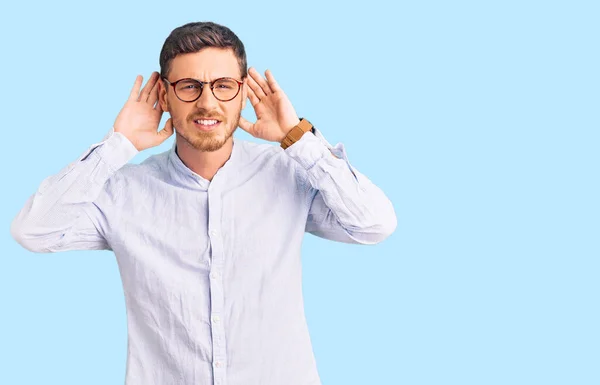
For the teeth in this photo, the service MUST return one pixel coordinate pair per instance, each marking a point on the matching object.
(207, 122)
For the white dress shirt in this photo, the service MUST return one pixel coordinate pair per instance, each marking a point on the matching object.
(211, 270)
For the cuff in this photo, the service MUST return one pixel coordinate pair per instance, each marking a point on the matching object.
(115, 150)
(312, 147)
(308, 150)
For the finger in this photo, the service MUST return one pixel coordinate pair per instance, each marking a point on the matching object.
(253, 98)
(253, 81)
(153, 96)
(246, 125)
(135, 91)
(166, 132)
(261, 82)
(146, 90)
(258, 91)
(272, 82)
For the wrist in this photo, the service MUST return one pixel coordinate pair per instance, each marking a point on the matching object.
(296, 132)
(286, 130)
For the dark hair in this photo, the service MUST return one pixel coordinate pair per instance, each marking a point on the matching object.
(193, 37)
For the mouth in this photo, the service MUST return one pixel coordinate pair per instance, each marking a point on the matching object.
(206, 124)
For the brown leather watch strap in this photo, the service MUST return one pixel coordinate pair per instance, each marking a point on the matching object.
(296, 133)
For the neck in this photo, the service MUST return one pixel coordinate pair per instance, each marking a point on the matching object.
(204, 163)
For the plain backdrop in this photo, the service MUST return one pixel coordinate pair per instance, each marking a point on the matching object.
(479, 119)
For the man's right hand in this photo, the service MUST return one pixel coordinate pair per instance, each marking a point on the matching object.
(138, 119)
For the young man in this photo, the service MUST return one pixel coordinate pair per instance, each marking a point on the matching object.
(208, 235)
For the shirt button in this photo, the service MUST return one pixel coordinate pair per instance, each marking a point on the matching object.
(213, 233)
(214, 275)
(218, 364)
(216, 319)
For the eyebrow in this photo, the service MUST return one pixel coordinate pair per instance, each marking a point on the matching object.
(207, 81)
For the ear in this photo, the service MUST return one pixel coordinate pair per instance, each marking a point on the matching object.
(162, 95)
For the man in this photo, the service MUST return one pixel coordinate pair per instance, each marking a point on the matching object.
(208, 235)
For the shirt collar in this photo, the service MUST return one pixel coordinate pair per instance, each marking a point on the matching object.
(185, 177)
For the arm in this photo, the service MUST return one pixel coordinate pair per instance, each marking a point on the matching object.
(62, 215)
(347, 206)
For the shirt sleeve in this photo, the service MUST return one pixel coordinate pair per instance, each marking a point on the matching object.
(62, 215)
(346, 205)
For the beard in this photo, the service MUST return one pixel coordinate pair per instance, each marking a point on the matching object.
(207, 141)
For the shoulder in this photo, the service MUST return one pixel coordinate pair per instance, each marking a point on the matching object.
(270, 160)
(262, 156)
(263, 151)
(135, 175)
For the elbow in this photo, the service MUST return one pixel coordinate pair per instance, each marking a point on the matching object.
(17, 231)
(390, 225)
(386, 222)
(20, 233)
(387, 226)
(379, 231)
(384, 216)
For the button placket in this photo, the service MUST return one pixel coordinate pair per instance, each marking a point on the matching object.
(216, 284)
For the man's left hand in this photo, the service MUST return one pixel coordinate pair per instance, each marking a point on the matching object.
(275, 115)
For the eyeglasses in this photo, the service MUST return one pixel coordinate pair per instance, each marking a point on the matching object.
(189, 90)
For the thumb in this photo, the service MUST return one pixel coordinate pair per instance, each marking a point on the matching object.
(246, 125)
(166, 132)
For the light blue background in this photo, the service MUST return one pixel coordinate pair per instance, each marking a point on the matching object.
(478, 119)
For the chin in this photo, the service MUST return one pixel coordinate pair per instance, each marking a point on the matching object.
(209, 145)
(208, 142)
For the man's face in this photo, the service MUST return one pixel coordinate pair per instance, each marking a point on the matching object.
(206, 65)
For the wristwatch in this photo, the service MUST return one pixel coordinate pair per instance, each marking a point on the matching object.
(296, 133)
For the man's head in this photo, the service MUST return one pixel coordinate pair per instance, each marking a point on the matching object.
(203, 51)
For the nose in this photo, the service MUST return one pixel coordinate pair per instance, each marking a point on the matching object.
(207, 100)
